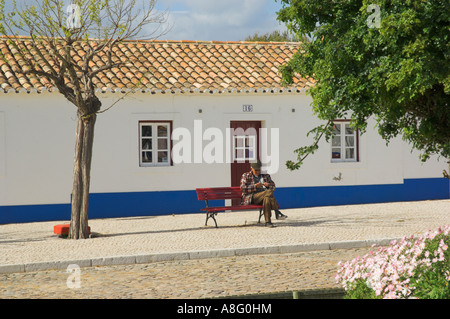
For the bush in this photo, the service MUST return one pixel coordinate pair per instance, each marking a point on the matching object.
(409, 268)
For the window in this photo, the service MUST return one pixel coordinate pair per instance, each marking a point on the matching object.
(244, 148)
(155, 143)
(344, 145)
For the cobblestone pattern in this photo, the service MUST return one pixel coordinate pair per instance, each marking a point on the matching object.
(186, 279)
(35, 242)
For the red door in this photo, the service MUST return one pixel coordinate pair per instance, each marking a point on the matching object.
(244, 143)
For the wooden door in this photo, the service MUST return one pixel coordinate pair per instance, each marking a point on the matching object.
(245, 149)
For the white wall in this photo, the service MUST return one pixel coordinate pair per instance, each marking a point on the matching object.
(37, 136)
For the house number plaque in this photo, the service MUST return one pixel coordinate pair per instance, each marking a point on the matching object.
(247, 108)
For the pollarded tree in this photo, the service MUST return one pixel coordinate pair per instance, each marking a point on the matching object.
(386, 59)
(56, 31)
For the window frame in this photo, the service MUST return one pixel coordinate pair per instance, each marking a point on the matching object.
(244, 148)
(343, 147)
(154, 138)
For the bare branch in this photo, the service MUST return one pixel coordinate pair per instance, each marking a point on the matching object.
(54, 43)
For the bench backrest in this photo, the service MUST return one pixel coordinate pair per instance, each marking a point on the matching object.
(219, 193)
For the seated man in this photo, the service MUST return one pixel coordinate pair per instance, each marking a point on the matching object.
(258, 189)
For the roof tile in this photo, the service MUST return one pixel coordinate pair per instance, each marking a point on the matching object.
(167, 65)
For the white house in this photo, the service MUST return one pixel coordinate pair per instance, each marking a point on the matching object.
(177, 130)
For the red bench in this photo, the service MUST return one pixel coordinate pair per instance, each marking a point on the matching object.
(221, 193)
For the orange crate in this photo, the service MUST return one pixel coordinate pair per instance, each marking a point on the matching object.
(63, 229)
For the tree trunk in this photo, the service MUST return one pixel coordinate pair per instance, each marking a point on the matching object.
(81, 176)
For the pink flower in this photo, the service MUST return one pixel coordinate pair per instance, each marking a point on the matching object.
(388, 269)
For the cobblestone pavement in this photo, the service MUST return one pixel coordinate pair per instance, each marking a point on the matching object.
(246, 271)
(148, 235)
(186, 279)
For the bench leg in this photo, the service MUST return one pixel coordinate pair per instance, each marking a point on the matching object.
(210, 215)
(260, 215)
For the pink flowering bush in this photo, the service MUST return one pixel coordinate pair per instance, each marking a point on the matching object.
(409, 268)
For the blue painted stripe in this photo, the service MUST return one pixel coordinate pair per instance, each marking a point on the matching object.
(410, 190)
(34, 213)
(143, 204)
(111, 205)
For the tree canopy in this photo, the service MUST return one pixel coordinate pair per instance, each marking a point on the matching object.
(386, 59)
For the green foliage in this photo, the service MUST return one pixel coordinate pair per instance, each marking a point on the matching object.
(360, 290)
(397, 73)
(303, 152)
(433, 282)
(275, 36)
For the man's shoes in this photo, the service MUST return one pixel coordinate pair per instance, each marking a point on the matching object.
(279, 215)
(269, 224)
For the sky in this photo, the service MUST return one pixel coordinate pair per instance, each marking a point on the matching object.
(220, 20)
(210, 20)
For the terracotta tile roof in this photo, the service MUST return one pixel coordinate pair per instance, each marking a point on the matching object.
(172, 67)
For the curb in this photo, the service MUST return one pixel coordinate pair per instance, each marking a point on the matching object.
(192, 255)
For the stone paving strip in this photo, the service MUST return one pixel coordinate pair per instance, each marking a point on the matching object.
(33, 246)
